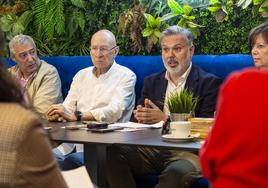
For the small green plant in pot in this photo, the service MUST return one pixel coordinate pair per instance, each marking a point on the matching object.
(181, 105)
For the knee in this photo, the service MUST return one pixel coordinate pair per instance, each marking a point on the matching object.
(179, 168)
(73, 160)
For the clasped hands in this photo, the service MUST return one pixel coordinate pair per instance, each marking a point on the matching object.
(58, 112)
(150, 113)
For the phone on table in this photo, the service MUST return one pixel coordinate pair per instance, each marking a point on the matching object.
(100, 127)
(96, 125)
(104, 130)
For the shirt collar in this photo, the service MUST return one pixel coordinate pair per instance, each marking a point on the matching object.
(105, 74)
(24, 82)
(183, 77)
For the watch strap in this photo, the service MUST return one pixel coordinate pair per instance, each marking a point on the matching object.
(78, 115)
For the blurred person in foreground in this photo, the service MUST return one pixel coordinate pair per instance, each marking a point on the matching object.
(176, 168)
(258, 41)
(38, 79)
(235, 152)
(25, 153)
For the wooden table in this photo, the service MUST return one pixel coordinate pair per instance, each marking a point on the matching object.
(95, 145)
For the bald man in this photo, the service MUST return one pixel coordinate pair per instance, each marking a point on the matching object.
(103, 92)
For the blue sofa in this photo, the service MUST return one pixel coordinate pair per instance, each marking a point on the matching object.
(142, 66)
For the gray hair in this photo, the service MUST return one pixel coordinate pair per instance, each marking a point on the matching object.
(20, 40)
(174, 30)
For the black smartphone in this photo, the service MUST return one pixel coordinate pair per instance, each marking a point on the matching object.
(108, 129)
(97, 125)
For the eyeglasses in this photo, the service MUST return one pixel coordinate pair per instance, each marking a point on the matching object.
(103, 51)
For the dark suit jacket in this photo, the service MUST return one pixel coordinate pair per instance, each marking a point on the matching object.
(203, 84)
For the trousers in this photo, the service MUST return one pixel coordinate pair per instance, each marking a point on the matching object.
(124, 162)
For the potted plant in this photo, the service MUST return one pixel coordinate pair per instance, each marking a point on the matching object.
(181, 105)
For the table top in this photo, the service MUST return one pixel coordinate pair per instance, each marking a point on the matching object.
(147, 137)
(85, 137)
(158, 142)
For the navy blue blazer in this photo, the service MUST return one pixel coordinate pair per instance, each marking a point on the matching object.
(204, 85)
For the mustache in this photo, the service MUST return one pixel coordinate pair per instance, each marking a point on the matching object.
(32, 63)
(172, 60)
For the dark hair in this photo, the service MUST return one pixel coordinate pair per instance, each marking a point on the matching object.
(9, 89)
(259, 30)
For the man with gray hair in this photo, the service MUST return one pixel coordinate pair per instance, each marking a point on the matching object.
(176, 168)
(38, 79)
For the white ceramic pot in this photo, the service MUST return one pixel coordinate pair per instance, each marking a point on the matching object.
(180, 116)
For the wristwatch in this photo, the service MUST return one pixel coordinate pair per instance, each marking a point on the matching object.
(78, 115)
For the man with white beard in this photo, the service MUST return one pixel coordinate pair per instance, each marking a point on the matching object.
(177, 168)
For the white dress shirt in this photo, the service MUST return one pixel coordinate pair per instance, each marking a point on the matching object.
(171, 87)
(110, 97)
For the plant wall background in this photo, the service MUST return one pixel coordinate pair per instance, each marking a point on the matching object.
(64, 27)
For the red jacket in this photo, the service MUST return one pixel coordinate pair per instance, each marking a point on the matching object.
(235, 153)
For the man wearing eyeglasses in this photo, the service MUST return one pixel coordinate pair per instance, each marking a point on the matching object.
(38, 79)
(103, 92)
(176, 168)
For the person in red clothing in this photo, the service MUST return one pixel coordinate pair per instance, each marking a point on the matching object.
(235, 152)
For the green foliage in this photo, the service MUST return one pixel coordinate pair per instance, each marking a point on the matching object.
(79, 3)
(152, 31)
(130, 24)
(175, 7)
(11, 24)
(49, 18)
(64, 27)
(158, 21)
(182, 102)
(229, 37)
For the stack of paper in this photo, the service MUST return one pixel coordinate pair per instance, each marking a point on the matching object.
(77, 178)
(139, 125)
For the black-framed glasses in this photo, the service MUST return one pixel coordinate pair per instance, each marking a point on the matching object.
(103, 51)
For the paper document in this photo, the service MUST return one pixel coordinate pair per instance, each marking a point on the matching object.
(139, 125)
(77, 178)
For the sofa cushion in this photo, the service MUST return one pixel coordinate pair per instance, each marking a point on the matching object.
(142, 66)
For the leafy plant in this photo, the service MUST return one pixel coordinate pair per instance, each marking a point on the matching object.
(49, 18)
(130, 23)
(229, 37)
(181, 102)
(82, 18)
(223, 8)
(152, 31)
(153, 24)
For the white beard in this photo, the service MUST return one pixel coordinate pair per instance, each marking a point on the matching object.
(178, 70)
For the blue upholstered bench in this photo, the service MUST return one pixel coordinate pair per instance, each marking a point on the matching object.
(142, 66)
